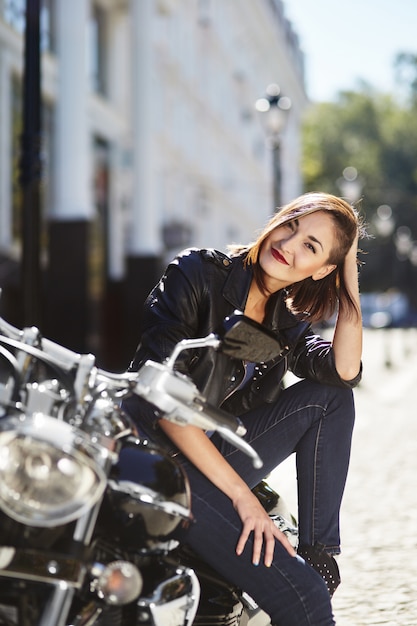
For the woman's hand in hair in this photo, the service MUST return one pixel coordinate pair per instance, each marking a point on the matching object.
(347, 339)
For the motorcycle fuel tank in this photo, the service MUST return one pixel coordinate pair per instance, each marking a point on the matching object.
(147, 497)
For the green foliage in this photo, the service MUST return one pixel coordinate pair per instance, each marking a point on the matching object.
(370, 132)
(405, 67)
(377, 135)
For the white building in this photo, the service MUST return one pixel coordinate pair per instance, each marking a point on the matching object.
(151, 143)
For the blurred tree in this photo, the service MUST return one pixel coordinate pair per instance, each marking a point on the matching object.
(405, 68)
(377, 135)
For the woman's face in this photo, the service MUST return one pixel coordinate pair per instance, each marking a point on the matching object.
(298, 250)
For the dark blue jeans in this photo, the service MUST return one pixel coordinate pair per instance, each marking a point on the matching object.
(315, 421)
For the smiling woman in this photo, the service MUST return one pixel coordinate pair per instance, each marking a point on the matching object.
(301, 268)
(338, 234)
(292, 252)
(304, 246)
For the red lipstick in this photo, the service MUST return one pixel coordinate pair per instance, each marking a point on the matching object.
(278, 256)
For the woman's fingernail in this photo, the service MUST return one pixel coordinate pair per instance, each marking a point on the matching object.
(268, 564)
(256, 563)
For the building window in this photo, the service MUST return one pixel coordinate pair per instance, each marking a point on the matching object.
(99, 230)
(98, 244)
(97, 50)
(47, 26)
(204, 12)
(14, 14)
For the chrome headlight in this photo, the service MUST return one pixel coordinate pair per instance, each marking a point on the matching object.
(48, 473)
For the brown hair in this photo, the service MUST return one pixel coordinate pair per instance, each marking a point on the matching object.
(317, 300)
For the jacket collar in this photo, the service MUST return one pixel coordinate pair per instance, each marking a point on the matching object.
(236, 289)
(237, 283)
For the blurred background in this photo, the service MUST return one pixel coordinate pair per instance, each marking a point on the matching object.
(130, 129)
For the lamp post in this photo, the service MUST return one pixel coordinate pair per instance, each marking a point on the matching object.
(274, 108)
(30, 168)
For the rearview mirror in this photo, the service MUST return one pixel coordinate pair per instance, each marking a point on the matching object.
(245, 339)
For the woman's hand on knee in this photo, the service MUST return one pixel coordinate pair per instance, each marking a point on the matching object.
(257, 521)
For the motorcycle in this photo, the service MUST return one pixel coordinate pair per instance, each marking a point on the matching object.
(87, 507)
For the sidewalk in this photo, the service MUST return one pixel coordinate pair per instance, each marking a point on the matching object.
(378, 563)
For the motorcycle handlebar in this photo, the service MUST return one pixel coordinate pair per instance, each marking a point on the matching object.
(60, 356)
(242, 445)
(173, 393)
(181, 402)
(232, 430)
(223, 419)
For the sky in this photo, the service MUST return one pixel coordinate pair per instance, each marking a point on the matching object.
(344, 42)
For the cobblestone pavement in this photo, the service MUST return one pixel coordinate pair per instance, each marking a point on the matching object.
(378, 563)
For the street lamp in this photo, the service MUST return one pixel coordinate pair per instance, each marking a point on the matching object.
(274, 108)
(403, 242)
(350, 184)
(384, 221)
(397, 253)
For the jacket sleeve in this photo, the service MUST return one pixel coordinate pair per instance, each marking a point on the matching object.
(181, 306)
(313, 358)
(163, 325)
(164, 322)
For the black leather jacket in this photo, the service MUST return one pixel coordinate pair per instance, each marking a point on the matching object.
(198, 290)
